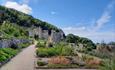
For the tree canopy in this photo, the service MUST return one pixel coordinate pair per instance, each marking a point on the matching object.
(88, 44)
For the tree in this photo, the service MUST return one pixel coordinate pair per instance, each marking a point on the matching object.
(71, 38)
(87, 43)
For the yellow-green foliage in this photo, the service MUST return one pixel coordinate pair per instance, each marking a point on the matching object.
(23, 45)
(58, 49)
(108, 65)
(10, 30)
(41, 43)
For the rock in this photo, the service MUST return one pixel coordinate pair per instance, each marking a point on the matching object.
(0, 64)
(57, 36)
(77, 60)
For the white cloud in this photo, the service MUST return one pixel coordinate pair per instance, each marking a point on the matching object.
(20, 7)
(102, 36)
(95, 36)
(106, 16)
(103, 20)
(92, 31)
(80, 31)
(75, 28)
(53, 12)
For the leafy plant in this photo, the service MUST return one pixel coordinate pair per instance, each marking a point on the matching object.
(58, 49)
(10, 30)
(23, 45)
(6, 53)
(41, 43)
(41, 63)
(108, 65)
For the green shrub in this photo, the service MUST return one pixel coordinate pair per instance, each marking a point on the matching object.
(41, 43)
(99, 54)
(87, 43)
(67, 51)
(108, 65)
(58, 49)
(10, 30)
(6, 53)
(41, 63)
(3, 56)
(9, 51)
(41, 52)
(23, 45)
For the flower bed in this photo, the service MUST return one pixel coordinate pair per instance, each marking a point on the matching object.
(64, 62)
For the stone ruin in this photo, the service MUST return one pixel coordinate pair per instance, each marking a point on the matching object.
(50, 35)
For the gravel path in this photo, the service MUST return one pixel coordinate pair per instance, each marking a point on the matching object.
(23, 61)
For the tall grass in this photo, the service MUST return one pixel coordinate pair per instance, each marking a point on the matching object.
(108, 65)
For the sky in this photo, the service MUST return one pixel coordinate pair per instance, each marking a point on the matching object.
(94, 19)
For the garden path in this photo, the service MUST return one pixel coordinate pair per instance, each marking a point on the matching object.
(66, 69)
(23, 61)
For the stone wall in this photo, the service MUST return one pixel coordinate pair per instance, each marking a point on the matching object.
(57, 36)
(44, 34)
(8, 43)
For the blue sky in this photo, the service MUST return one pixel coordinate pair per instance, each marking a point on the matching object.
(94, 19)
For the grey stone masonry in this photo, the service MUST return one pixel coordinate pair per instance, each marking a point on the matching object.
(8, 43)
(44, 34)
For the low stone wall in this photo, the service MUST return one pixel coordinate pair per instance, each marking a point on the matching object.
(8, 43)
